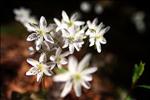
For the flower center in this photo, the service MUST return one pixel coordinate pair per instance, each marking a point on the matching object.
(40, 67)
(77, 77)
(41, 32)
(71, 38)
(58, 59)
(93, 30)
(97, 36)
(70, 23)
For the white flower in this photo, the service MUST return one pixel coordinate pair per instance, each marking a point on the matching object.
(95, 33)
(138, 20)
(40, 33)
(23, 16)
(59, 58)
(73, 38)
(67, 22)
(98, 8)
(39, 67)
(85, 6)
(76, 76)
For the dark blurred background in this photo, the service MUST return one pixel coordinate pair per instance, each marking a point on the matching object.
(125, 41)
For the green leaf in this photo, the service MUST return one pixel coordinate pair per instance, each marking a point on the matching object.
(137, 72)
(144, 86)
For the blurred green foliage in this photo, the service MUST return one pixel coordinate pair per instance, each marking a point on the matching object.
(137, 72)
(144, 86)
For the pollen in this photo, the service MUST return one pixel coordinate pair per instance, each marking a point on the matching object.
(77, 76)
(40, 67)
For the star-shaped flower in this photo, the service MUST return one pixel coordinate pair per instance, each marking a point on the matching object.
(23, 16)
(40, 33)
(59, 58)
(67, 22)
(39, 67)
(76, 76)
(95, 33)
(73, 38)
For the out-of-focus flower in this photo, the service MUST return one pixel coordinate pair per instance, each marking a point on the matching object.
(39, 67)
(138, 20)
(40, 33)
(23, 16)
(73, 38)
(59, 58)
(85, 6)
(98, 8)
(95, 33)
(31, 50)
(67, 22)
(77, 75)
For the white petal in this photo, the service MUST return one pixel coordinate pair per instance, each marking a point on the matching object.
(31, 27)
(67, 89)
(76, 46)
(92, 41)
(98, 46)
(86, 84)
(65, 45)
(65, 54)
(46, 45)
(39, 43)
(62, 77)
(39, 76)
(89, 70)
(63, 61)
(58, 52)
(87, 77)
(65, 33)
(48, 38)
(103, 31)
(42, 58)
(65, 16)
(82, 31)
(51, 65)
(99, 27)
(52, 58)
(79, 23)
(50, 27)
(103, 40)
(47, 72)
(88, 32)
(77, 88)
(72, 64)
(32, 71)
(95, 21)
(89, 24)
(57, 29)
(84, 62)
(43, 23)
(74, 16)
(80, 44)
(71, 48)
(31, 50)
(57, 21)
(32, 37)
(32, 62)
(59, 65)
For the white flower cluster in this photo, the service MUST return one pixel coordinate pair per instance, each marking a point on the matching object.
(23, 16)
(50, 41)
